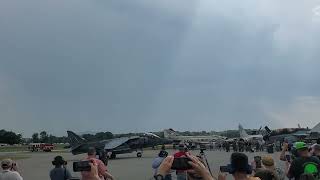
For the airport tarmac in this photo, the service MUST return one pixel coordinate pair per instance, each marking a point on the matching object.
(125, 167)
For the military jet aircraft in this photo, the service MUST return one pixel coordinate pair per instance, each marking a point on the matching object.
(292, 134)
(195, 140)
(115, 146)
(244, 135)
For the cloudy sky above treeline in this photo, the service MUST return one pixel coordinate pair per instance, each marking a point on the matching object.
(141, 65)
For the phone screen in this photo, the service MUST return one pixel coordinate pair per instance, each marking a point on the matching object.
(81, 166)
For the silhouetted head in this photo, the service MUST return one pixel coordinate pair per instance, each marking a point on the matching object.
(240, 164)
(302, 149)
(59, 161)
(315, 149)
(265, 175)
(6, 164)
(92, 151)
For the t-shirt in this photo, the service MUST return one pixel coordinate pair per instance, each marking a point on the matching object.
(180, 154)
(101, 169)
(59, 174)
(297, 166)
(10, 175)
(156, 163)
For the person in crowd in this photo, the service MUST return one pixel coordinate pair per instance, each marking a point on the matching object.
(241, 145)
(286, 150)
(257, 146)
(239, 168)
(93, 174)
(157, 162)
(9, 170)
(59, 172)
(198, 169)
(227, 146)
(234, 146)
(269, 164)
(278, 146)
(181, 175)
(304, 163)
(103, 157)
(102, 169)
(266, 174)
(315, 150)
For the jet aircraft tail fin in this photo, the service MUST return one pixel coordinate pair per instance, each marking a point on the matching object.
(74, 139)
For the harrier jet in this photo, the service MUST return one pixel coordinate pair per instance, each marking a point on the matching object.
(244, 135)
(115, 146)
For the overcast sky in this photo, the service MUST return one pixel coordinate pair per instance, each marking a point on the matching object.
(141, 65)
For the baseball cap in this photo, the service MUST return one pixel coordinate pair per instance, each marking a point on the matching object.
(267, 161)
(6, 163)
(300, 146)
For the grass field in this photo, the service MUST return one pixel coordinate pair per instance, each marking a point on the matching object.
(13, 148)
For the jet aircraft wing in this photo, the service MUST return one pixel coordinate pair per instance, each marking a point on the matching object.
(114, 143)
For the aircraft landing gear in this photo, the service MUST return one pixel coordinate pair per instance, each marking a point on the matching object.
(139, 154)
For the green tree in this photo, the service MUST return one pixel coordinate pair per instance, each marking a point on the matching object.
(88, 137)
(44, 138)
(9, 137)
(103, 135)
(35, 138)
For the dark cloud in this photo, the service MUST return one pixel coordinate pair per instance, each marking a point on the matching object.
(140, 66)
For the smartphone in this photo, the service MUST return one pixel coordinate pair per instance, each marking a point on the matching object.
(81, 166)
(288, 157)
(224, 169)
(181, 164)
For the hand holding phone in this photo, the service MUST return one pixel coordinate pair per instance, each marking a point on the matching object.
(82, 166)
(181, 163)
(224, 169)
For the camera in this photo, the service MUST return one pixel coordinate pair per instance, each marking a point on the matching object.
(82, 166)
(225, 169)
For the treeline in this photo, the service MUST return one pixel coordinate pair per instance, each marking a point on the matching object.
(44, 137)
(9, 137)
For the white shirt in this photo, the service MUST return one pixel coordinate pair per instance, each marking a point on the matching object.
(10, 175)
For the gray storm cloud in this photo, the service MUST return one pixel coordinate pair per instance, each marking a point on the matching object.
(143, 66)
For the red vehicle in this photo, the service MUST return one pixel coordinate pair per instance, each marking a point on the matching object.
(35, 147)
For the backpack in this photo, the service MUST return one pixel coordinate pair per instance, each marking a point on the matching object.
(311, 168)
